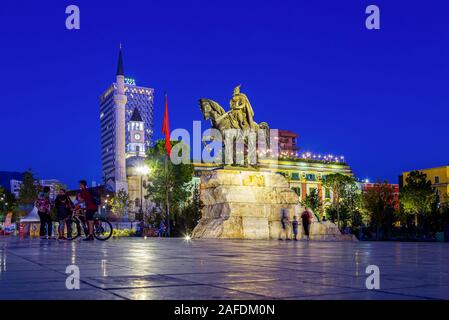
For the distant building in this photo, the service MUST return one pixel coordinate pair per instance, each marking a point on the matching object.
(15, 187)
(439, 177)
(7, 176)
(287, 143)
(53, 184)
(126, 121)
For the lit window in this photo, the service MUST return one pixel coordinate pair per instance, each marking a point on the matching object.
(437, 179)
(311, 177)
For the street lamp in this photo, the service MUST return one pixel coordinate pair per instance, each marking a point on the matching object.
(142, 171)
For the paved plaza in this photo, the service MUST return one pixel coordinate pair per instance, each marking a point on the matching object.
(137, 268)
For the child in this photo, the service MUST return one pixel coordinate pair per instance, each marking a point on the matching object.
(295, 228)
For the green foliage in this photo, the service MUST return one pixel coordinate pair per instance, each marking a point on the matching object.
(332, 214)
(58, 186)
(437, 221)
(123, 233)
(340, 186)
(119, 203)
(379, 206)
(313, 202)
(8, 202)
(418, 197)
(168, 180)
(352, 201)
(29, 189)
(191, 213)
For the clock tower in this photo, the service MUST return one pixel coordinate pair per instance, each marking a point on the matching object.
(136, 128)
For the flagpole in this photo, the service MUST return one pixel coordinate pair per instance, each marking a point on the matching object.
(166, 196)
(167, 205)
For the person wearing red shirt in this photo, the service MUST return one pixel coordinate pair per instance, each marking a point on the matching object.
(91, 209)
(306, 218)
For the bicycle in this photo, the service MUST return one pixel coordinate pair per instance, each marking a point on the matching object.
(77, 223)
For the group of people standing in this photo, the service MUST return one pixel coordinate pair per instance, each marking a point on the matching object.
(306, 219)
(64, 209)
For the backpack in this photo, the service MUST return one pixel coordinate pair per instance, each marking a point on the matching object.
(95, 197)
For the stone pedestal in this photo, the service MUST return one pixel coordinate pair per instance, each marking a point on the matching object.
(244, 204)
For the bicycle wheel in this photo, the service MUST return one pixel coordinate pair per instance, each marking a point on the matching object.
(102, 230)
(73, 229)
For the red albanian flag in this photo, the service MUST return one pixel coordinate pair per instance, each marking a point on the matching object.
(166, 128)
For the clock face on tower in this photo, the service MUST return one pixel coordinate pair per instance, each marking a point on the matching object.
(137, 136)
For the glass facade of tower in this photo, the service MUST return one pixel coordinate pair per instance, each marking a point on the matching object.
(138, 97)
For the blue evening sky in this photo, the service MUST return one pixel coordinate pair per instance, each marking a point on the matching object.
(378, 97)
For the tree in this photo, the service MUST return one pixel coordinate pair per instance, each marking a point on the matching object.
(417, 197)
(2, 202)
(167, 180)
(192, 211)
(379, 205)
(58, 186)
(29, 189)
(352, 201)
(8, 202)
(313, 202)
(338, 184)
(350, 209)
(119, 203)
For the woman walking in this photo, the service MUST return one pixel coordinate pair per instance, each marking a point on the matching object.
(43, 206)
(64, 207)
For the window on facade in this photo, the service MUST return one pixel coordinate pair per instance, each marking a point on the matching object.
(311, 177)
(137, 149)
(295, 176)
(327, 193)
(437, 179)
(312, 190)
(297, 190)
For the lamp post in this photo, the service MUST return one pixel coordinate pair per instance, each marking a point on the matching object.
(142, 171)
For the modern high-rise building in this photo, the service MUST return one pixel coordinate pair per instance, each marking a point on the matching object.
(121, 134)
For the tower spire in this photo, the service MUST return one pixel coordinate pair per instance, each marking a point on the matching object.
(120, 70)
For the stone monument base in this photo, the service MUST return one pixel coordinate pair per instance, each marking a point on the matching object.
(244, 204)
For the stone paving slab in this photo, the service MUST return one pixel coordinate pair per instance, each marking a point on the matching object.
(195, 292)
(137, 268)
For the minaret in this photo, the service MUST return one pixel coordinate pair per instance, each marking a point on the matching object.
(120, 100)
